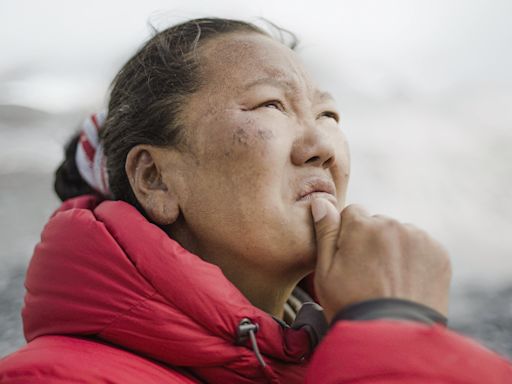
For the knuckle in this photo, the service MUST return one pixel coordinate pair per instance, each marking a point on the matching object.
(386, 221)
(393, 224)
(389, 227)
(357, 223)
(411, 227)
(416, 233)
(381, 217)
(353, 212)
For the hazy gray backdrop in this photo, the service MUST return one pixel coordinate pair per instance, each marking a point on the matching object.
(425, 87)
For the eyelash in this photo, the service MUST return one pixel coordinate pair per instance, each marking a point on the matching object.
(332, 115)
(280, 107)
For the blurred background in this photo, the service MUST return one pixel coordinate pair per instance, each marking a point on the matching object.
(425, 90)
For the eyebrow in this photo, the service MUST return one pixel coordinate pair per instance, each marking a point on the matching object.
(287, 86)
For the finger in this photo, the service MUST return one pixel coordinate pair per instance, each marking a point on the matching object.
(327, 226)
(350, 215)
(354, 211)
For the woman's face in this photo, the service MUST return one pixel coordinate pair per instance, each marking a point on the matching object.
(262, 142)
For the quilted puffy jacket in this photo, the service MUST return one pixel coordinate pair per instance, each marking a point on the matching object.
(110, 298)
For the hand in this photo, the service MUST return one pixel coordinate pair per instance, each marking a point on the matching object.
(362, 257)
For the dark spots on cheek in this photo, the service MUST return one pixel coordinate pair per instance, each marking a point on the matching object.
(241, 136)
(265, 134)
(249, 136)
(228, 153)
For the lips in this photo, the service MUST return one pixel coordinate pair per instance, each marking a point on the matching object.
(317, 187)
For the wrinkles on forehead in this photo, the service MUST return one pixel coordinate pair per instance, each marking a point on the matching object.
(286, 85)
(230, 63)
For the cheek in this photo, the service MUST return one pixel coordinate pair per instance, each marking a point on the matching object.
(241, 156)
(244, 147)
(237, 183)
(255, 158)
(249, 139)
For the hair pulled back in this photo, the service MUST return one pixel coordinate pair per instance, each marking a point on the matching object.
(146, 99)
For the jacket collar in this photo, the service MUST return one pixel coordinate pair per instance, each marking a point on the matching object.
(103, 270)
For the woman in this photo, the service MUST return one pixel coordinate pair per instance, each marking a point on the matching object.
(227, 173)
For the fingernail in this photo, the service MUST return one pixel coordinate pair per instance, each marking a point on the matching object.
(318, 209)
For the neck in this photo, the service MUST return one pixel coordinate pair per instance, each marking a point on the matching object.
(264, 292)
(267, 289)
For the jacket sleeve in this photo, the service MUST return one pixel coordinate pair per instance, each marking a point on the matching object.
(394, 342)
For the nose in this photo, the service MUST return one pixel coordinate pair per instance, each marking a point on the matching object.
(313, 148)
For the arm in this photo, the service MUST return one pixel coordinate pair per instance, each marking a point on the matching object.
(394, 352)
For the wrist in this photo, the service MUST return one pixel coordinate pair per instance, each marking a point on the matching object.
(390, 308)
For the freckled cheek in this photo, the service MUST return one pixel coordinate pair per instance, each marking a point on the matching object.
(249, 144)
(251, 161)
(243, 144)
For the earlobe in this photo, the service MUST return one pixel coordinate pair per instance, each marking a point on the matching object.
(144, 166)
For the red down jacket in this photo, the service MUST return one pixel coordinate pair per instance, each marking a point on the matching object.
(112, 299)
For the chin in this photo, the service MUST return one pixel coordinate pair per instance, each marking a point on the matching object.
(304, 256)
(294, 247)
(304, 243)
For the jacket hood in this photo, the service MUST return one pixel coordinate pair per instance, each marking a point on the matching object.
(102, 270)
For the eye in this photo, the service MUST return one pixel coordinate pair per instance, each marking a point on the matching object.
(276, 104)
(331, 115)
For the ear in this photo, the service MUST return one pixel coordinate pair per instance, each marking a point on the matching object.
(144, 167)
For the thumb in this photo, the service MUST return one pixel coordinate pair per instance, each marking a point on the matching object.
(327, 227)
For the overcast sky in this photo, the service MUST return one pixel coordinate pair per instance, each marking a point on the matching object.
(58, 55)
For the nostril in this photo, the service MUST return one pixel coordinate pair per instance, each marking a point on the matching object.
(318, 161)
(313, 159)
(329, 162)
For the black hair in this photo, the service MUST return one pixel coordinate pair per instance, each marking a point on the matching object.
(68, 183)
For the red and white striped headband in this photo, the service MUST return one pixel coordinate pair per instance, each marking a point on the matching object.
(90, 160)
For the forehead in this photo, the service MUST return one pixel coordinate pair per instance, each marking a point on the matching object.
(241, 60)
